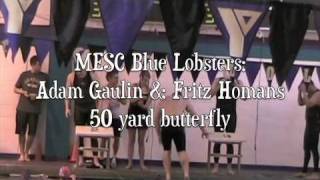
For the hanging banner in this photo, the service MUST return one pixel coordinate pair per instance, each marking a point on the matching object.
(289, 23)
(43, 48)
(252, 70)
(123, 20)
(128, 61)
(175, 76)
(182, 19)
(17, 16)
(316, 16)
(239, 23)
(212, 76)
(70, 18)
(25, 46)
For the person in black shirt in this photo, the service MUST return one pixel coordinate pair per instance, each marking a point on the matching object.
(82, 108)
(139, 107)
(29, 107)
(309, 96)
(227, 107)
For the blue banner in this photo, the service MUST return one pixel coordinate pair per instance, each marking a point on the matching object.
(252, 70)
(123, 20)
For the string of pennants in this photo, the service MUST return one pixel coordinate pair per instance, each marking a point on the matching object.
(237, 21)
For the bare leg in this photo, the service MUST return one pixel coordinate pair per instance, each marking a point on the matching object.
(115, 152)
(28, 146)
(167, 164)
(80, 143)
(230, 152)
(103, 145)
(141, 138)
(94, 144)
(22, 142)
(116, 146)
(216, 150)
(184, 159)
(131, 142)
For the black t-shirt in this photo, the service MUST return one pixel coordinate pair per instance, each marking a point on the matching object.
(87, 102)
(30, 82)
(227, 106)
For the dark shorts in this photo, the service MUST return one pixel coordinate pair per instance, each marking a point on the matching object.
(177, 135)
(116, 125)
(135, 111)
(26, 120)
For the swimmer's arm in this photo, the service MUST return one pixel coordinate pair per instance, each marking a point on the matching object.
(69, 80)
(215, 87)
(67, 104)
(314, 100)
(190, 109)
(300, 101)
(301, 89)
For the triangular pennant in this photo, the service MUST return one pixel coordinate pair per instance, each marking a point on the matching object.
(182, 19)
(171, 63)
(128, 61)
(270, 73)
(70, 18)
(14, 42)
(252, 70)
(30, 13)
(291, 76)
(25, 46)
(307, 72)
(43, 47)
(158, 55)
(123, 20)
(195, 75)
(289, 23)
(20, 14)
(212, 75)
(239, 23)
